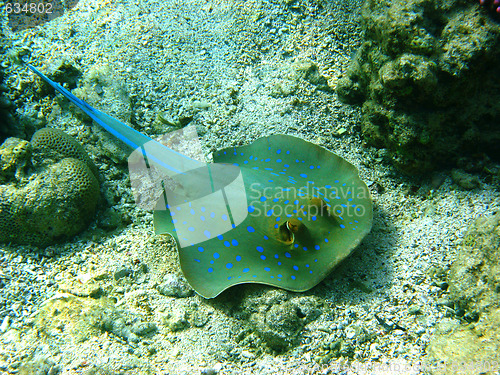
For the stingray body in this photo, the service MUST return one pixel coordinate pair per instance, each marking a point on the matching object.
(306, 209)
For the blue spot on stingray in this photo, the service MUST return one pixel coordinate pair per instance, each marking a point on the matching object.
(178, 208)
(326, 239)
(263, 257)
(286, 165)
(328, 186)
(280, 275)
(278, 152)
(276, 256)
(227, 244)
(279, 263)
(279, 160)
(336, 181)
(212, 215)
(270, 212)
(293, 277)
(229, 265)
(260, 249)
(174, 221)
(288, 152)
(245, 162)
(251, 209)
(303, 175)
(197, 260)
(268, 169)
(210, 270)
(305, 248)
(202, 218)
(238, 258)
(207, 233)
(311, 167)
(316, 247)
(295, 268)
(200, 249)
(342, 226)
(307, 265)
(266, 238)
(313, 218)
(288, 255)
(278, 219)
(192, 211)
(246, 269)
(220, 237)
(234, 242)
(229, 277)
(250, 229)
(267, 269)
(276, 226)
(297, 161)
(184, 222)
(212, 262)
(224, 217)
(296, 245)
(275, 199)
(191, 229)
(216, 255)
(263, 199)
(267, 160)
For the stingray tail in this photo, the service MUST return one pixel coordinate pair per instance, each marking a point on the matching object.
(155, 151)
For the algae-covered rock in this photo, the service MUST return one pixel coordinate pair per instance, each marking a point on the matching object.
(474, 285)
(82, 318)
(425, 77)
(474, 278)
(277, 318)
(50, 201)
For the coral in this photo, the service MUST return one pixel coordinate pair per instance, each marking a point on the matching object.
(48, 203)
(423, 77)
(493, 5)
(55, 144)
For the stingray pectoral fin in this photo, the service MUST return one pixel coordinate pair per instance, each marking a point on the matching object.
(307, 211)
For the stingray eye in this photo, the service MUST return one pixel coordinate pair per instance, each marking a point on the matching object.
(293, 225)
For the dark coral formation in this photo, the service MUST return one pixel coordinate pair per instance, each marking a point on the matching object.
(7, 127)
(425, 77)
(48, 189)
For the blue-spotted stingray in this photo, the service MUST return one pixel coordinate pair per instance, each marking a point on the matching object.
(305, 209)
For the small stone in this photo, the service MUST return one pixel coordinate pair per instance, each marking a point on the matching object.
(122, 272)
(414, 310)
(174, 286)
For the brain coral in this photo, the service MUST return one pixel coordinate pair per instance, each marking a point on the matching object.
(58, 144)
(425, 79)
(54, 202)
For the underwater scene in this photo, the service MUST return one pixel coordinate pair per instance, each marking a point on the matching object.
(249, 187)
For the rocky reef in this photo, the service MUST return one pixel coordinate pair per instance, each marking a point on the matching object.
(425, 79)
(49, 188)
(474, 285)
